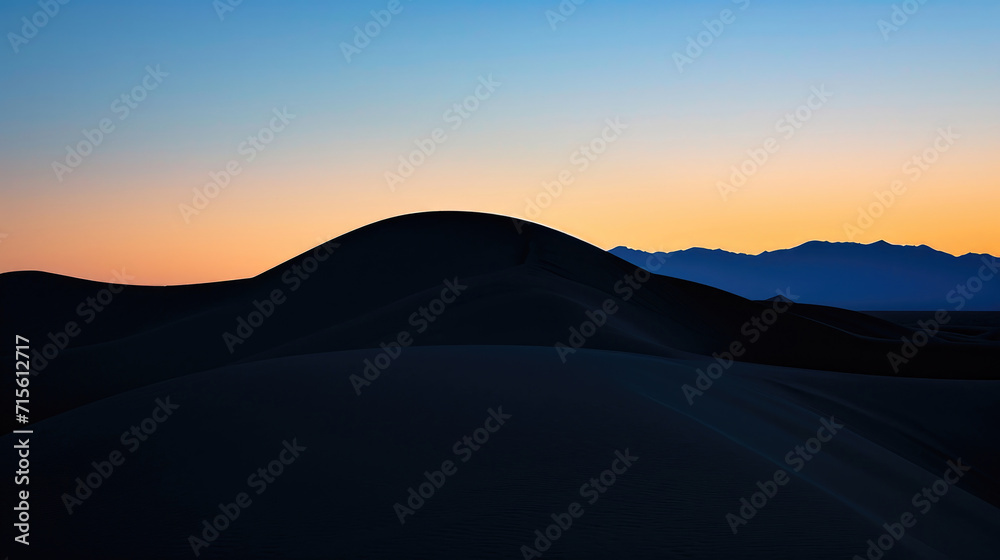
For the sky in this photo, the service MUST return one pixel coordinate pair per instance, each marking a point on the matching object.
(193, 141)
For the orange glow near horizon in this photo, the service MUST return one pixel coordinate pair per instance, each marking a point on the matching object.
(250, 228)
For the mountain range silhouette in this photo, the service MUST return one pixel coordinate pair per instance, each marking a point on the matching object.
(877, 277)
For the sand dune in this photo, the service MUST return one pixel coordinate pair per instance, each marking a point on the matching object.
(381, 350)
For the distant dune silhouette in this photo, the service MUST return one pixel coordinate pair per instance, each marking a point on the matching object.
(878, 276)
(381, 349)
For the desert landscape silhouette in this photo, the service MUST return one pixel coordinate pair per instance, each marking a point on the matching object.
(375, 353)
(582, 280)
